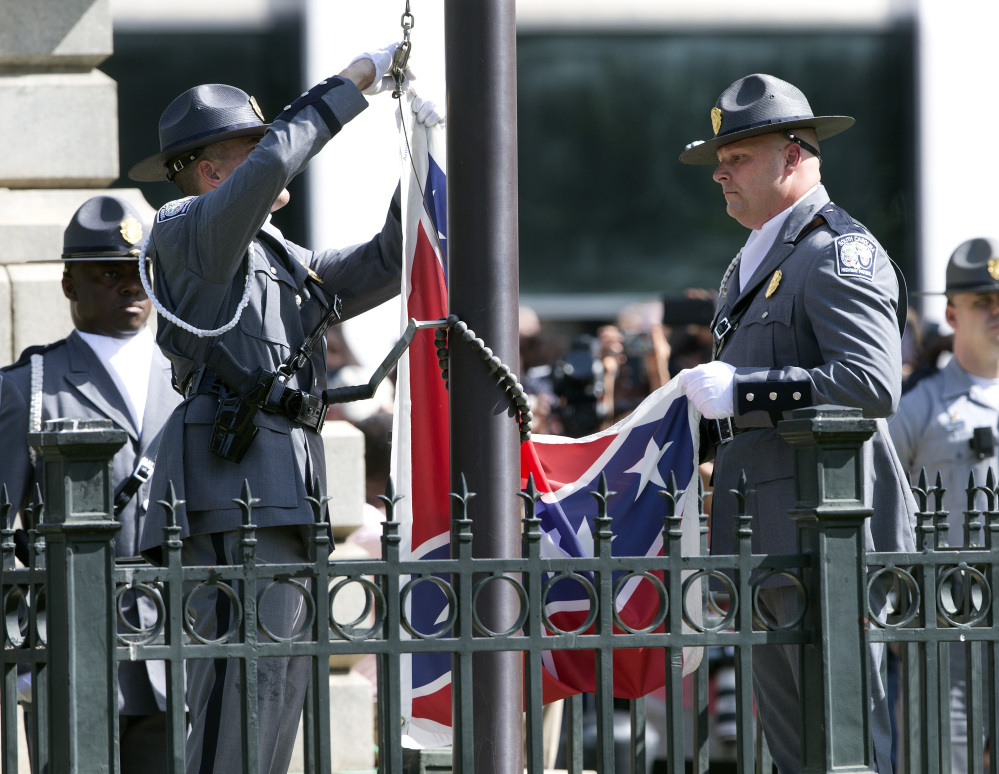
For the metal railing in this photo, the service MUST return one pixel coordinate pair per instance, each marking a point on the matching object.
(62, 636)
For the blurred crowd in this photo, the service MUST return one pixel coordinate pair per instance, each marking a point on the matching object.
(581, 383)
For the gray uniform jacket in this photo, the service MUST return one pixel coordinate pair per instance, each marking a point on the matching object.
(76, 385)
(933, 430)
(199, 254)
(822, 331)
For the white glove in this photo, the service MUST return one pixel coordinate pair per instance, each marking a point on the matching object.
(425, 110)
(709, 387)
(382, 59)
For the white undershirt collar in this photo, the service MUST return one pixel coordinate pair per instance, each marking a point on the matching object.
(761, 240)
(128, 362)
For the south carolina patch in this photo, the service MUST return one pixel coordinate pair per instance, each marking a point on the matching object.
(855, 255)
(174, 209)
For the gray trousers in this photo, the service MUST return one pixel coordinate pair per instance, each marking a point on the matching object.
(777, 689)
(214, 744)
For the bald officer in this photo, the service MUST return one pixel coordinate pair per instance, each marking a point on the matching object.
(948, 422)
(808, 313)
(108, 368)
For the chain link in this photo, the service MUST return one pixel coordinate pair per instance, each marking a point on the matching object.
(401, 57)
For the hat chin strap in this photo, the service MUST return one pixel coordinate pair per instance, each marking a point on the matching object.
(178, 164)
(798, 141)
(199, 332)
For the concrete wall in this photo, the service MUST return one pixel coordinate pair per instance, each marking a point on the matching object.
(60, 133)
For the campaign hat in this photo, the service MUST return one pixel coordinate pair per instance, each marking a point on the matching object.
(104, 228)
(200, 116)
(973, 267)
(759, 104)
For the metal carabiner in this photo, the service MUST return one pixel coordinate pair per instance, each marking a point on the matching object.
(399, 61)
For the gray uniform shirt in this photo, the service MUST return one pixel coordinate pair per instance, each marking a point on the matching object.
(199, 249)
(819, 326)
(933, 429)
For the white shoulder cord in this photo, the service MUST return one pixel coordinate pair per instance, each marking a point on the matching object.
(199, 332)
(35, 406)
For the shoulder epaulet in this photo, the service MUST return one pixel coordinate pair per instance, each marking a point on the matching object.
(174, 209)
(839, 220)
(38, 349)
(924, 372)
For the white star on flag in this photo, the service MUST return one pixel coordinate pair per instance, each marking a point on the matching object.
(648, 466)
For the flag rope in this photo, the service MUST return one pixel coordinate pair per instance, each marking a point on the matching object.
(508, 380)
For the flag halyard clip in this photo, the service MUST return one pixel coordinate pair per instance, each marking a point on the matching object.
(400, 59)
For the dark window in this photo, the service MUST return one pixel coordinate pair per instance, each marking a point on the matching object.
(605, 206)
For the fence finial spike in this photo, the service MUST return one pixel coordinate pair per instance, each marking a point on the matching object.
(246, 502)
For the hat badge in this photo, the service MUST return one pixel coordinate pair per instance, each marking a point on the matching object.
(256, 108)
(994, 268)
(131, 230)
(716, 118)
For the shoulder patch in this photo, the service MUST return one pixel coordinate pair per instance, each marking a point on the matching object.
(174, 209)
(855, 254)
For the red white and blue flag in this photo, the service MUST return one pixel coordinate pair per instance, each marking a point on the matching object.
(637, 456)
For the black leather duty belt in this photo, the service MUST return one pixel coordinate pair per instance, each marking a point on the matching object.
(297, 405)
(722, 430)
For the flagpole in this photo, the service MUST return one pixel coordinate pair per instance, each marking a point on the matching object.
(483, 286)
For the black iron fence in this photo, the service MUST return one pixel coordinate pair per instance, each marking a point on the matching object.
(70, 642)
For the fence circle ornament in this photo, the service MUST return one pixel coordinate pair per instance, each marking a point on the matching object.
(762, 619)
(234, 624)
(452, 607)
(903, 601)
(726, 621)
(521, 616)
(591, 593)
(15, 605)
(374, 601)
(139, 635)
(661, 609)
(954, 589)
(310, 610)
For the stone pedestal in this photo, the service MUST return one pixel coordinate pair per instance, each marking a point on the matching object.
(344, 476)
(68, 133)
(352, 726)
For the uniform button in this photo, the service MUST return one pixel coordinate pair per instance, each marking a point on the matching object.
(773, 396)
(298, 299)
(274, 270)
(305, 94)
(287, 107)
(796, 395)
(766, 314)
(750, 396)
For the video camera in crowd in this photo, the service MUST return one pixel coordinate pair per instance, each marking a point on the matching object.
(578, 383)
